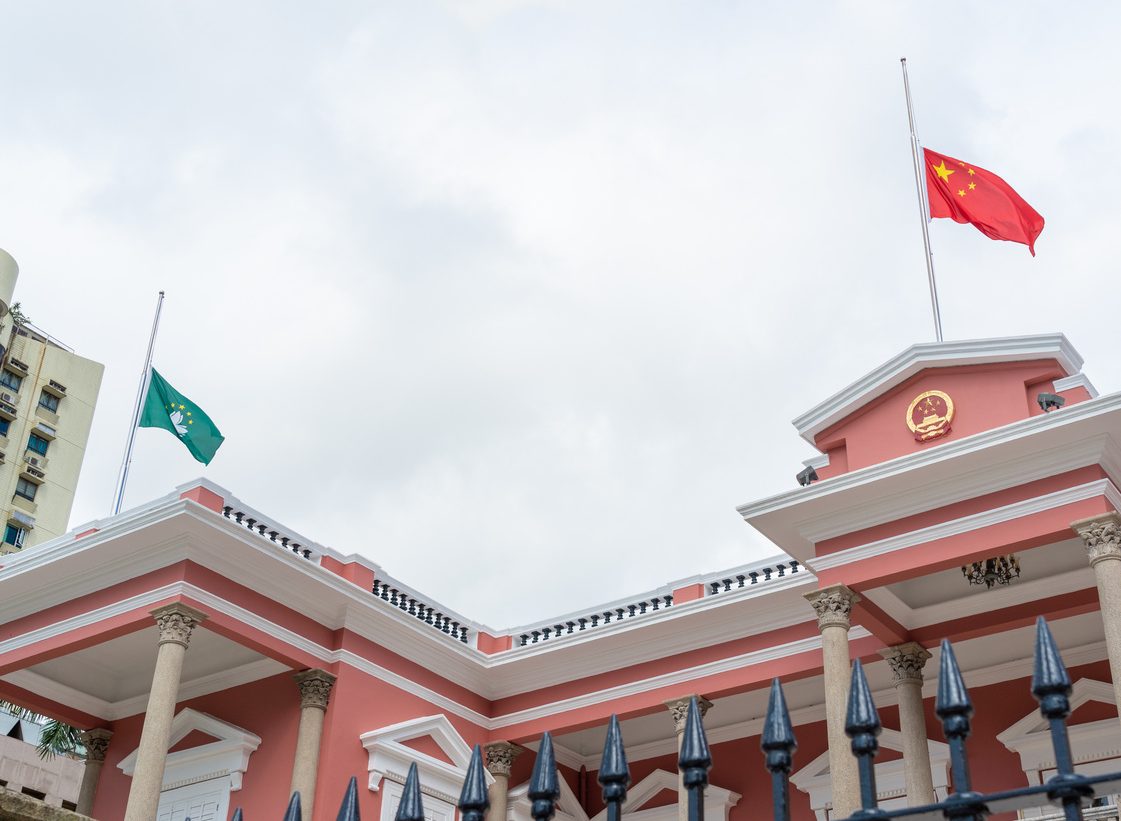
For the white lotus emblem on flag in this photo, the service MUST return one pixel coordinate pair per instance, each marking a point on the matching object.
(177, 420)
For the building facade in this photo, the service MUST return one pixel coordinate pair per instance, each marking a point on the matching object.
(217, 659)
(47, 399)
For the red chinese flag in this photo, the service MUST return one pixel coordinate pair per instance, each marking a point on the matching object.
(966, 193)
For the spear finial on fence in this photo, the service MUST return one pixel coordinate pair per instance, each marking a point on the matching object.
(349, 809)
(953, 706)
(544, 786)
(614, 774)
(294, 813)
(778, 746)
(1050, 684)
(695, 760)
(410, 807)
(862, 725)
(473, 799)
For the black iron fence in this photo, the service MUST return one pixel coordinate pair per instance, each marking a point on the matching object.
(1050, 685)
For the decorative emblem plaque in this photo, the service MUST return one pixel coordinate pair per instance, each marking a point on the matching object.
(930, 415)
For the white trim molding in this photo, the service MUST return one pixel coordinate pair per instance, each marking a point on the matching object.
(228, 757)
(1075, 380)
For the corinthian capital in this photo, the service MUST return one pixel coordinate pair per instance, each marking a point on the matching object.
(500, 757)
(679, 710)
(176, 623)
(1102, 537)
(833, 606)
(315, 688)
(96, 742)
(907, 662)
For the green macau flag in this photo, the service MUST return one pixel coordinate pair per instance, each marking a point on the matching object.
(165, 407)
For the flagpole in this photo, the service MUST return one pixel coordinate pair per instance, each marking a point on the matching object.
(145, 377)
(924, 206)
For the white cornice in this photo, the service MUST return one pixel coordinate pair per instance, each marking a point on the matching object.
(976, 521)
(934, 355)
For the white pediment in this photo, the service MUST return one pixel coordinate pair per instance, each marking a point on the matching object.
(891, 782)
(226, 757)
(390, 756)
(568, 806)
(924, 355)
(1030, 737)
(717, 799)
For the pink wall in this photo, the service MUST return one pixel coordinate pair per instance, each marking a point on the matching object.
(269, 708)
(360, 703)
(984, 396)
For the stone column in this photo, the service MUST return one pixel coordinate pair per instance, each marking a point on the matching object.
(499, 757)
(176, 623)
(907, 662)
(96, 743)
(833, 606)
(315, 690)
(679, 709)
(1102, 537)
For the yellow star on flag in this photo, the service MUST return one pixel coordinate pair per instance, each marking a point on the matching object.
(942, 171)
(961, 193)
(972, 185)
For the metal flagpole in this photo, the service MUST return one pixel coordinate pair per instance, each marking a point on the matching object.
(924, 206)
(145, 378)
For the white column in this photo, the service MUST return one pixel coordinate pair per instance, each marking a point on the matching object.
(315, 691)
(679, 710)
(833, 606)
(176, 623)
(96, 743)
(1102, 537)
(499, 756)
(907, 662)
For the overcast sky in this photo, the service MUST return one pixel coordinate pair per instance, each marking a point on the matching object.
(518, 299)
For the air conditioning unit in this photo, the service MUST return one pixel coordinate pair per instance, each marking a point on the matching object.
(32, 460)
(7, 397)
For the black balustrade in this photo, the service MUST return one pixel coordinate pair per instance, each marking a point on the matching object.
(780, 570)
(1050, 685)
(422, 612)
(265, 531)
(600, 618)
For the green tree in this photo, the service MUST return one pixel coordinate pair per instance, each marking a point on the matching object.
(56, 737)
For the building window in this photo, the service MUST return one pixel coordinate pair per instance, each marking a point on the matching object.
(48, 401)
(10, 380)
(38, 444)
(26, 489)
(4, 425)
(14, 535)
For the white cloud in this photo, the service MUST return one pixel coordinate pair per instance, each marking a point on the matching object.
(518, 298)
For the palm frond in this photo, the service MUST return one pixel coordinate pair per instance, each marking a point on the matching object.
(58, 738)
(55, 737)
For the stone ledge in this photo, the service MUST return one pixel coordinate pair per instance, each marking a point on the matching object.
(17, 807)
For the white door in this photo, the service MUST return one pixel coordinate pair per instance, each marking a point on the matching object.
(205, 801)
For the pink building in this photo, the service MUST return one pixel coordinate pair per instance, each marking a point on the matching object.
(219, 659)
